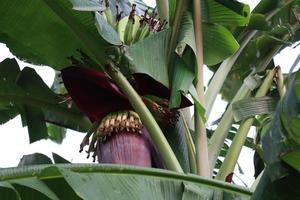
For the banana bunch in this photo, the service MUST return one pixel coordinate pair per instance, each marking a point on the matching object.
(133, 28)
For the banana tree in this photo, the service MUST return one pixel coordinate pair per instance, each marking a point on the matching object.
(125, 72)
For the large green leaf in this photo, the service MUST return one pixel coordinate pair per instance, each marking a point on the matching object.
(218, 44)
(36, 184)
(225, 12)
(49, 32)
(17, 91)
(114, 182)
(219, 11)
(12, 93)
(31, 83)
(8, 191)
(149, 56)
(285, 188)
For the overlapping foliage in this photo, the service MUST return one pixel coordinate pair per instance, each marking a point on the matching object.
(87, 33)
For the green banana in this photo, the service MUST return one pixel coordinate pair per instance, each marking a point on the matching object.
(143, 33)
(129, 31)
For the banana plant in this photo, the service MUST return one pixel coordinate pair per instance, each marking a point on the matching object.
(124, 72)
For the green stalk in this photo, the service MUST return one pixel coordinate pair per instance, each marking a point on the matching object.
(148, 120)
(163, 9)
(219, 77)
(217, 140)
(241, 135)
(190, 146)
(200, 130)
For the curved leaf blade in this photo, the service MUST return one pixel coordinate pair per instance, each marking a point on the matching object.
(36, 184)
(149, 56)
(106, 30)
(54, 32)
(8, 191)
(112, 181)
(225, 12)
(218, 45)
(9, 70)
(251, 107)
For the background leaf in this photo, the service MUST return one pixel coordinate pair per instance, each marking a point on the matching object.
(34, 159)
(56, 133)
(53, 36)
(9, 70)
(58, 159)
(225, 12)
(219, 43)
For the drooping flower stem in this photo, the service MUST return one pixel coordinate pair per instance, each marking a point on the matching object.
(148, 120)
(200, 130)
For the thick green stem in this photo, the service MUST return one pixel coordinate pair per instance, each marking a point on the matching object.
(163, 9)
(241, 135)
(200, 130)
(148, 120)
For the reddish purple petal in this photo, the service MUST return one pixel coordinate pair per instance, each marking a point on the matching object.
(93, 92)
(96, 96)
